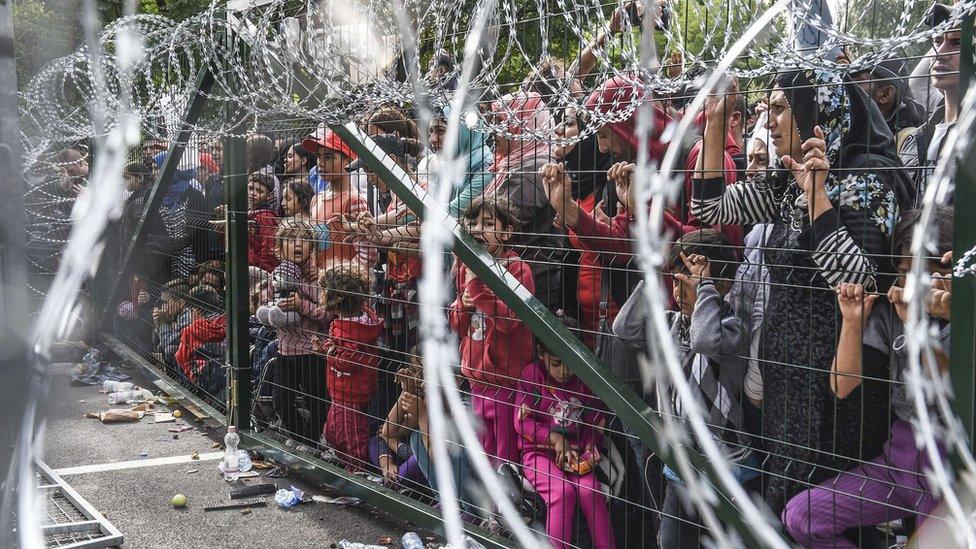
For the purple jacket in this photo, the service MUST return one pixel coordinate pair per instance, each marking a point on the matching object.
(545, 405)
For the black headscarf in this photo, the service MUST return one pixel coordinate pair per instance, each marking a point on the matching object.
(588, 167)
(856, 132)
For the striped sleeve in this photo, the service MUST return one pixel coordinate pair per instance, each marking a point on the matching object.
(838, 256)
(714, 203)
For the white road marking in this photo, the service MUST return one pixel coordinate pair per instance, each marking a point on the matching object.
(137, 463)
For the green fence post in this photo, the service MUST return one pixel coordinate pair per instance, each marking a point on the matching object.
(619, 398)
(963, 355)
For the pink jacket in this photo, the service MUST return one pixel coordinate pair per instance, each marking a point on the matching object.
(545, 405)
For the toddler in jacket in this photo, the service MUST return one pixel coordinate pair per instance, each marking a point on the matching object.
(495, 344)
(352, 360)
(560, 426)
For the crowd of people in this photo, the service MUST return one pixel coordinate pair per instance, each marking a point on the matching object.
(790, 241)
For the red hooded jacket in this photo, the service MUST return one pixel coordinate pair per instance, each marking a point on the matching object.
(495, 344)
(200, 332)
(353, 358)
(262, 226)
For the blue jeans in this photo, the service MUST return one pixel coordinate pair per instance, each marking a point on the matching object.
(464, 478)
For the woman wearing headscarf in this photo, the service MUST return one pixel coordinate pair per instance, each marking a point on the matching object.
(184, 213)
(516, 177)
(832, 212)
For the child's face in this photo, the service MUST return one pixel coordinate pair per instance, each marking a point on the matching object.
(556, 368)
(296, 249)
(490, 232)
(289, 203)
(257, 195)
(685, 296)
(331, 162)
(905, 265)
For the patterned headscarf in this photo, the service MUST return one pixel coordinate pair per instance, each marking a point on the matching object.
(858, 143)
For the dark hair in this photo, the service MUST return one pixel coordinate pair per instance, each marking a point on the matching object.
(303, 192)
(260, 151)
(569, 322)
(444, 59)
(501, 206)
(138, 169)
(710, 243)
(309, 158)
(391, 119)
(904, 229)
(205, 298)
(262, 179)
(741, 106)
(347, 289)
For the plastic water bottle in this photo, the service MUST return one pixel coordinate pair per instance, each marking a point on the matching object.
(346, 544)
(117, 386)
(134, 395)
(411, 540)
(232, 458)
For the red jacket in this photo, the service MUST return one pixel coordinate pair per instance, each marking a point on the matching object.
(495, 344)
(353, 358)
(261, 228)
(200, 332)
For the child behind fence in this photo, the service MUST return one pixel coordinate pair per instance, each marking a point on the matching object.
(560, 423)
(495, 344)
(352, 360)
(712, 347)
(202, 346)
(299, 371)
(872, 346)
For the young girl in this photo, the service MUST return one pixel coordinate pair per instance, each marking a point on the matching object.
(352, 359)
(495, 344)
(299, 367)
(296, 199)
(560, 424)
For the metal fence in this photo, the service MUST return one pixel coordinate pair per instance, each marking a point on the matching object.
(274, 271)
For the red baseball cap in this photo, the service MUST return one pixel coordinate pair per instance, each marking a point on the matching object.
(207, 161)
(329, 140)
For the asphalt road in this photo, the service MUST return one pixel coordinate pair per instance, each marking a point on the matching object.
(137, 500)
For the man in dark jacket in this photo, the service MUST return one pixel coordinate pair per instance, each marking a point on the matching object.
(920, 152)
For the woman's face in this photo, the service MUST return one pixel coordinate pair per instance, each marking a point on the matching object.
(438, 131)
(294, 162)
(568, 129)
(609, 142)
(782, 126)
(758, 158)
(289, 203)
